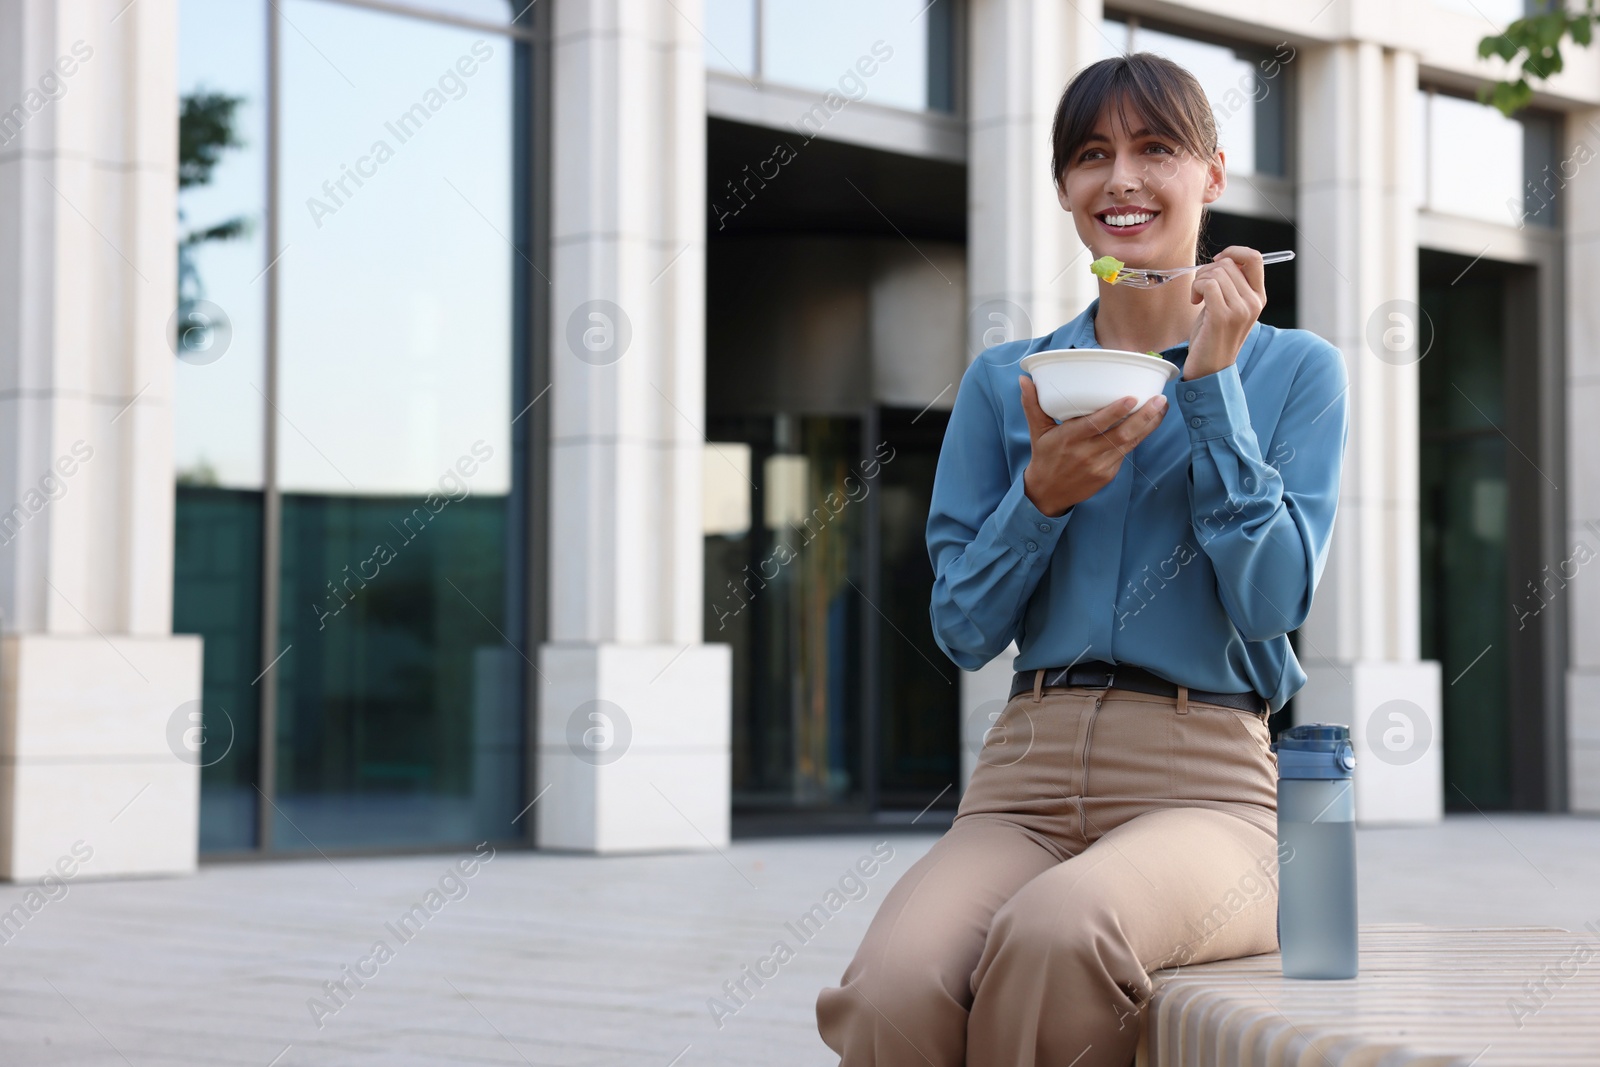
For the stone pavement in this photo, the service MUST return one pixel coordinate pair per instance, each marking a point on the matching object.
(535, 958)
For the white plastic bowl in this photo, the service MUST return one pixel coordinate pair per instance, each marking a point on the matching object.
(1079, 381)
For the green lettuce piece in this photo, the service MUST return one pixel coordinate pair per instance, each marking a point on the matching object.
(1106, 268)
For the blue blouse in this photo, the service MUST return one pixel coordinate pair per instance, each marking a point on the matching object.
(1194, 562)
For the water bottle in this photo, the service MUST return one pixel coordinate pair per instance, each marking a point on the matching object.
(1316, 851)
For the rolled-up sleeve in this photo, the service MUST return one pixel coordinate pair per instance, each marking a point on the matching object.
(988, 543)
(1265, 521)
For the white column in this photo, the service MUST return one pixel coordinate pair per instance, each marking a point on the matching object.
(635, 711)
(1581, 202)
(1358, 286)
(92, 682)
(1022, 249)
(1027, 272)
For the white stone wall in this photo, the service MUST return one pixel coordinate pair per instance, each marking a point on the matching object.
(90, 677)
(635, 712)
(1582, 313)
(1361, 645)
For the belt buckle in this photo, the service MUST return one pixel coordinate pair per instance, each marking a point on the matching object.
(1110, 680)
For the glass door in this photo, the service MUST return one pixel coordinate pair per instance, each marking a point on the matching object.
(1464, 526)
(844, 706)
(918, 690)
(782, 589)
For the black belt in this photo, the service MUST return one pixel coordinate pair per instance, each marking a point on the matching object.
(1097, 674)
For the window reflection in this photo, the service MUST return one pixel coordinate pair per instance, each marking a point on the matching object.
(731, 36)
(725, 484)
(395, 206)
(1513, 177)
(1113, 39)
(784, 593)
(1544, 173)
(895, 53)
(398, 714)
(217, 423)
(217, 418)
(1495, 176)
(816, 44)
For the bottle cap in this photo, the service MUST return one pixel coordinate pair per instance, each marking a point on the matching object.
(1315, 750)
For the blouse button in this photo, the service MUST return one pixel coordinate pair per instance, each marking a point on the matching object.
(1032, 546)
(1044, 526)
(1197, 421)
(1190, 395)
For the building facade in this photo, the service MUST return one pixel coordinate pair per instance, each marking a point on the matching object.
(430, 421)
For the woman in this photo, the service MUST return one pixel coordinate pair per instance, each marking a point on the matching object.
(1122, 816)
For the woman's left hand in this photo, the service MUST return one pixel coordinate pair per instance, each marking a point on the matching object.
(1233, 289)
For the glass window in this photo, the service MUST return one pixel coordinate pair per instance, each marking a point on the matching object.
(395, 661)
(1419, 150)
(1246, 94)
(817, 44)
(1113, 39)
(219, 329)
(897, 53)
(395, 206)
(1511, 177)
(731, 36)
(397, 703)
(1543, 177)
(495, 12)
(217, 335)
(1494, 175)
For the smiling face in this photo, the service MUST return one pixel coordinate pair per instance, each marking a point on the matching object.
(1137, 195)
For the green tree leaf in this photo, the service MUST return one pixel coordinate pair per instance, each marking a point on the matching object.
(1536, 39)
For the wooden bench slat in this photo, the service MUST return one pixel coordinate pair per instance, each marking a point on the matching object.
(1424, 996)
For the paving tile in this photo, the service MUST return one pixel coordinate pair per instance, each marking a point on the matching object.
(580, 961)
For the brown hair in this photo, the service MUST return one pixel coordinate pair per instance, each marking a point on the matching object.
(1170, 98)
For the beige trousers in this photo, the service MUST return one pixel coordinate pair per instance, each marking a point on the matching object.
(1107, 835)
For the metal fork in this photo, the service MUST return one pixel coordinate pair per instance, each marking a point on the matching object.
(1149, 279)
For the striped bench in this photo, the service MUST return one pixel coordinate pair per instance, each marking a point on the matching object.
(1516, 996)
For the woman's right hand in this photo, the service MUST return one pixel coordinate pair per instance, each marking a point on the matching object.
(1073, 460)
